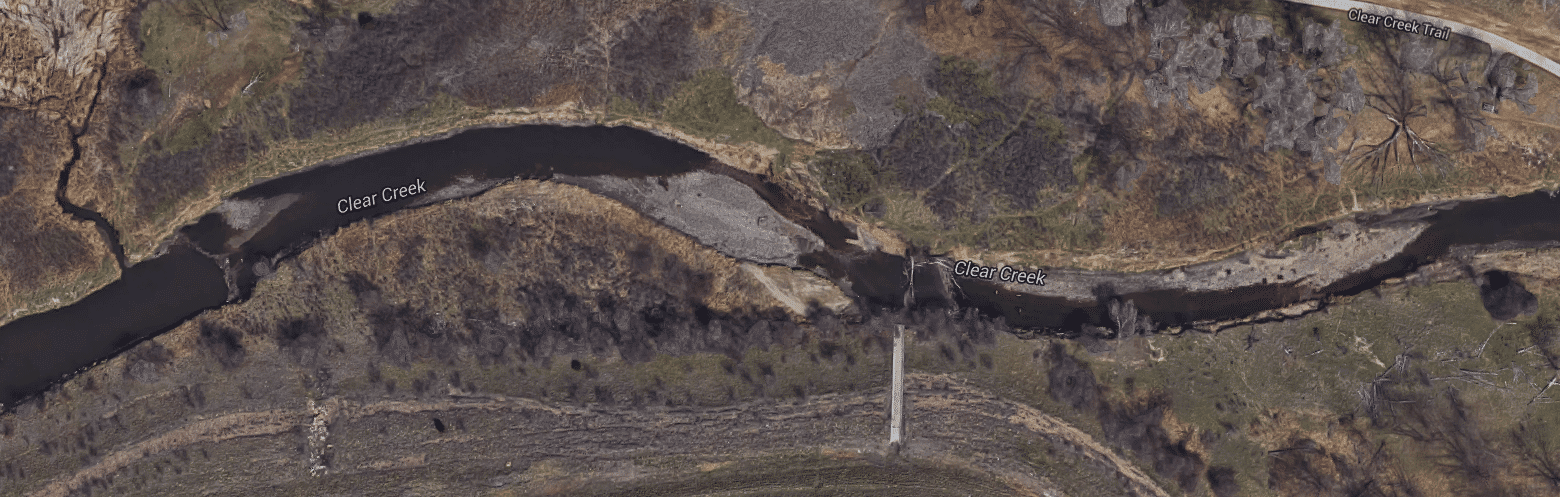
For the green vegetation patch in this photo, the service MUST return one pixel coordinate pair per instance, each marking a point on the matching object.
(953, 112)
(178, 47)
(707, 106)
(851, 178)
(1430, 356)
(965, 81)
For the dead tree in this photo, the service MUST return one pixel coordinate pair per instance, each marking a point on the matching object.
(1128, 320)
(1394, 97)
(1448, 429)
(1064, 31)
(1539, 459)
(1359, 467)
(1470, 96)
(1467, 103)
(201, 11)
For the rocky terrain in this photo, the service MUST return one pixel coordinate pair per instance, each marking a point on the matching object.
(716, 210)
(1317, 263)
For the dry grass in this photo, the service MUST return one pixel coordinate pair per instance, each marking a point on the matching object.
(156, 394)
(1270, 194)
(964, 375)
(1522, 21)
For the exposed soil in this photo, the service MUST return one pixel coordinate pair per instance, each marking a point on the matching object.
(481, 443)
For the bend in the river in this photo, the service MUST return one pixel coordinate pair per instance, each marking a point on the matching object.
(219, 258)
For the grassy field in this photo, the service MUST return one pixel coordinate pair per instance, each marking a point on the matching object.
(178, 47)
(47, 297)
(1304, 377)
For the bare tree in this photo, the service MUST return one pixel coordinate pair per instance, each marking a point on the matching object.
(1539, 458)
(1440, 422)
(1063, 31)
(1467, 103)
(1360, 467)
(1128, 320)
(215, 11)
(1395, 99)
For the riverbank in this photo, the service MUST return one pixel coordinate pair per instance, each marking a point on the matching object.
(379, 137)
(519, 294)
(1343, 257)
(671, 183)
(467, 326)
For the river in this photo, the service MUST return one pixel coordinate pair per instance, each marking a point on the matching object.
(204, 268)
(219, 258)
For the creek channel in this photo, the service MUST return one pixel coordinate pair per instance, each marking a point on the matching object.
(219, 258)
(1501, 223)
(212, 262)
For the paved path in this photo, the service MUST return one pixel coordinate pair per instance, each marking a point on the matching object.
(1495, 41)
(897, 389)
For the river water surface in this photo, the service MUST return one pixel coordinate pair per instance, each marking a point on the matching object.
(158, 294)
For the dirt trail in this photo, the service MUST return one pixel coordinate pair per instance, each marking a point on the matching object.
(225, 427)
(845, 425)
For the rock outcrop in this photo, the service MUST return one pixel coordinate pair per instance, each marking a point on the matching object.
(52, 53)
(831, 73)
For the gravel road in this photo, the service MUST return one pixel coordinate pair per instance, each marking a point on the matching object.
(1495, 41)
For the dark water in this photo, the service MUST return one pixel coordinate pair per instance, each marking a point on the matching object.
(157, 295)
(151, 297)
(1533, 217)
(527, 152)
(1166, 307)
(110, 235)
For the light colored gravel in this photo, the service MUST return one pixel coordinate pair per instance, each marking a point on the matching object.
(1495, 41)
(715, 210)
(1341, 251)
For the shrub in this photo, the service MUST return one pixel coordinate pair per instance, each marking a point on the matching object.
(850, 178)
